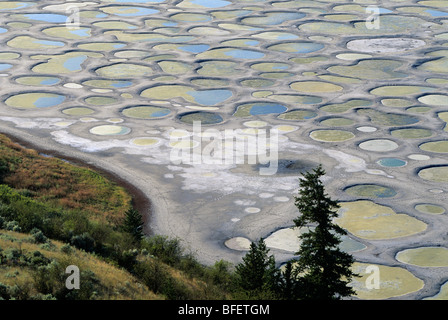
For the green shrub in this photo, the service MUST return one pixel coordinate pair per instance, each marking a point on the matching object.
(13, 226)
(67, 249)
(36, 259)
(38, 236)
(4, 292)
(84, 242)
(168, 250)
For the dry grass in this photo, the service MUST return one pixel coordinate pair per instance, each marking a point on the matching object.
(59, 183)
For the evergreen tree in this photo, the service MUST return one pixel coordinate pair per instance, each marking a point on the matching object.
(325, 270)
(258, 275)
(289, 289)
(133, 224)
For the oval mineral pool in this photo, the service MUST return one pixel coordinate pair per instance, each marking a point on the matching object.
(257, 83)
(391, 162)
(424, 256)
(436, 174)
(315, 87)
(396, 103)
(411, 133)
(14, 5)
(435, 146)
(337, 122)
(146, 112)
(400, 90)
(370, 191)
(109, 130)
(369, 220)
(297, 47)
(125, 11)
(419, 157)
(202, 117)
(345, 106)
(384, 45)
(78, 111)
(35, 100)
(45, 17)
(68, 33)
(366, 129)
(388, 119)
(100, 100)
(434, 99)
(31, 43)
(331, 135)
(272, 18)
(259, 108)
(108, 84)
(210, 97)
(145, 141)
(298, 115)
(38, 81)
(200, 4)
(378, 145)
(430, 208)
(124, 70)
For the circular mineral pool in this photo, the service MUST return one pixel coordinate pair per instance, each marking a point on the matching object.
(259, 108)
(285, 128)
(331, 135)
(38, 81)
(401, 90)
(368, 220)
(202, 117)
(183, 144)
(378, 145)
(366, 129)
(108, 84)
(396, 103)
(315, 87)
(124, 70)
(337, 122)
(424, 256)
(435, 146)
(419, 157)
(128, 11)
(34, 100)
(370, 191)
(384, 45)
(298, 115)
(255, 124)
(411, 133)
(100, 100)
(297, 47)
(110, 130)
(78, 111)
(238, 243)
(429, 208)
(146, 112)
(436, 174)
(391, 162)
(394, 282)
(434, 99)
(145, 141)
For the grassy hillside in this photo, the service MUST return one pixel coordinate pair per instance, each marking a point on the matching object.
(61, 184)
(33, 270)
(54, 214)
